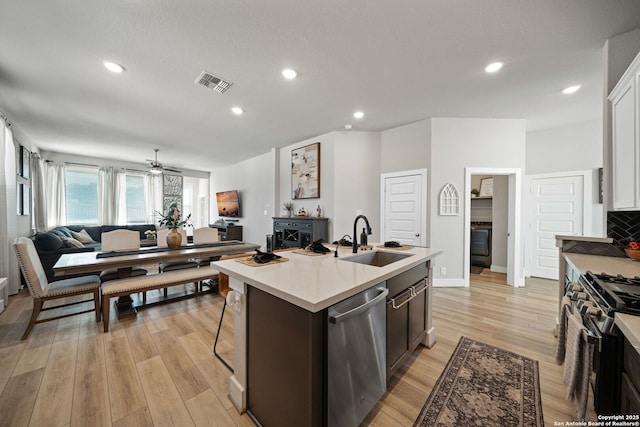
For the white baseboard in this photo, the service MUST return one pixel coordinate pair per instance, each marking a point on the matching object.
(448, 283)
(498, 269)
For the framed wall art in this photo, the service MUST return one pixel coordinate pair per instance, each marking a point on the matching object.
(305, 172)
(172, 185)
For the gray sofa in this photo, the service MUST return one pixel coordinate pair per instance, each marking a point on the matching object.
(51, 246)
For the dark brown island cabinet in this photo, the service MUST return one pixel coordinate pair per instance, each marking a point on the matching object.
(287, 349)
(630, 381)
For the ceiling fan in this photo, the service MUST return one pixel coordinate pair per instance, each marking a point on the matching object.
(156, 168)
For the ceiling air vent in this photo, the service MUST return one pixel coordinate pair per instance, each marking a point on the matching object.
(213, 82)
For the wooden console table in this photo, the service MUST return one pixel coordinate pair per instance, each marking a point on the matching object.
(228, 231)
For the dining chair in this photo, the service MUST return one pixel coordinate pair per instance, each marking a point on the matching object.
(121, 240)
(42, 290)
(204, 235)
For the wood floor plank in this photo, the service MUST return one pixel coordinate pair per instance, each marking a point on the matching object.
(207, 411)
(141, 342)
(139, 418)
(186, 376)
(54, 401)
(19, 396)
(165, 404)
(125, 391)
(9, 357)
(91, 388)
(32, 359)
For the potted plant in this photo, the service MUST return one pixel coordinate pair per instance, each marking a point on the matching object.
(474, 192)
(150, 234)
(172, 221)
(288, 206)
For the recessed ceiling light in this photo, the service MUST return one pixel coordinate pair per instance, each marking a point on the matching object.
(358, 114)
(289, 73)
(113, 67)
(237, 110)
(571, 89)
(494, 66)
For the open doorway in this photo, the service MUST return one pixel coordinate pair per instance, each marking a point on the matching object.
(496, 223)
(489, 213)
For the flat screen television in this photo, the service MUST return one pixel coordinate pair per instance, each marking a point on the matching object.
(228, 204)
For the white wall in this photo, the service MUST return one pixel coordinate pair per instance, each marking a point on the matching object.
(567, 148)
(575, 147)
(255, 181)
(455, 145)
(405, 147)
(357, 182)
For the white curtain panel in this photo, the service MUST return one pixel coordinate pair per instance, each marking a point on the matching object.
(9, 217)
(107, 196)
(121, 197)
(153, 194)
(39, 211)
(54, 192)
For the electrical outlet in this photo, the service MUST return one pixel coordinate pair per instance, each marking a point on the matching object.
(358, 211)
(443, 271)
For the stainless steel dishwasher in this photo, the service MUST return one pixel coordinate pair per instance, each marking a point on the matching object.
(356, 348)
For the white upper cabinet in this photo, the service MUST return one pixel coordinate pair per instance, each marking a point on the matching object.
(625, 106)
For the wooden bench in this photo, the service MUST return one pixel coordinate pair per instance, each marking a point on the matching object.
(132, 285)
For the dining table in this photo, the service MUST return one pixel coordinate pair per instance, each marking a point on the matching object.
(94, 262)
(91, 262)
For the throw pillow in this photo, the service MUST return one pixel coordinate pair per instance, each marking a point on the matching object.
(64, 230)
(82, 236)
(70, 242)
(48, 242)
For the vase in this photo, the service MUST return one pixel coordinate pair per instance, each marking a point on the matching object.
(174, 239)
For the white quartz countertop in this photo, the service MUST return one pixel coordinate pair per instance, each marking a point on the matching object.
(630, 326)
(604, 264)
(317, 282)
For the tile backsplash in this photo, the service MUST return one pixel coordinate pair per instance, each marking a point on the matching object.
(623, 226)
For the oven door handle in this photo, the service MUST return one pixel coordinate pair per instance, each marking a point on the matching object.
(592, 334)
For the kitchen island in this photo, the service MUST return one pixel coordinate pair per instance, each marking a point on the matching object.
(280, 324)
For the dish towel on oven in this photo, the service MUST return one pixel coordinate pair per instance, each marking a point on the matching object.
(565, 312)
(577, 366)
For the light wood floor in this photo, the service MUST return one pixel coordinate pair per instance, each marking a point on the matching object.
(159, 368)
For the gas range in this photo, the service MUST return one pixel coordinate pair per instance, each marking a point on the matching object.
(599, 296)
(596, 298)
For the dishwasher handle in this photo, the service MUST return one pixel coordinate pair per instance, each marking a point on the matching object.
(355, 311)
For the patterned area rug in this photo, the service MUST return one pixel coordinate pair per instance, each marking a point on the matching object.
(484, 385)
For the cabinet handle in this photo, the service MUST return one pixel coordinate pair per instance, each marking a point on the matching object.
(393, 300)
(421, 287)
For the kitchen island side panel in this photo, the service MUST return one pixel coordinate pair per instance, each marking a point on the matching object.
(285, 362)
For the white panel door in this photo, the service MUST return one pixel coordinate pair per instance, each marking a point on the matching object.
(557, 206)
(403, 204)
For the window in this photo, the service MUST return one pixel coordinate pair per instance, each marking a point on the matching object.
(135, 200)
(81, 187)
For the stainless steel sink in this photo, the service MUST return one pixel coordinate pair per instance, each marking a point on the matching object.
(377, 258)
